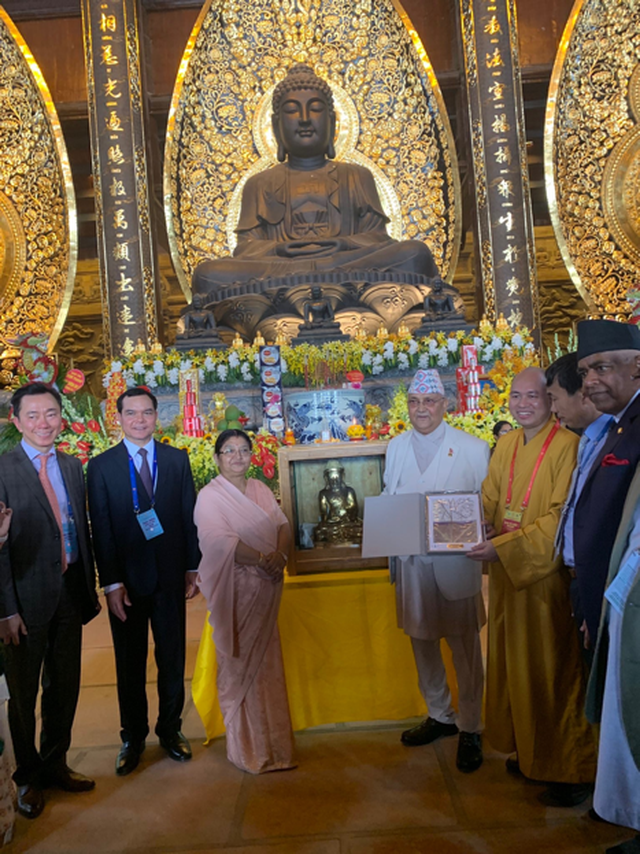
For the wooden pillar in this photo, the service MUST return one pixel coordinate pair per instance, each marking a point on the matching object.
(504, 225)
(126, 250)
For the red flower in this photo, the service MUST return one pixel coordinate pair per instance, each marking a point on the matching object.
(65, 423)
(63, 446)
(84, 446)
(84, 459)
(78, 427)
(384, 430)
(93, 426)
(269, 469)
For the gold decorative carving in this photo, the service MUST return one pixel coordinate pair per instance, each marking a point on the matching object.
(391, 118)
(592, 151)
(37, 204)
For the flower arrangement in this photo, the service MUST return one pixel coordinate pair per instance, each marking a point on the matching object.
(308, 364)
(356, 432)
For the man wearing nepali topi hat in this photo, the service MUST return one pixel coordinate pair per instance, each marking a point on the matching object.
(440, 596)
(609, 363)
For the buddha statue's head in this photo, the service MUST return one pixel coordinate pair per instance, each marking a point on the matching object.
(304, 119)
(334, 475)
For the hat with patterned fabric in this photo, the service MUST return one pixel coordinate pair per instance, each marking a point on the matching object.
(426, 382)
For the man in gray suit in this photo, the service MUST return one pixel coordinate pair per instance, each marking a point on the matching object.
(47, 591)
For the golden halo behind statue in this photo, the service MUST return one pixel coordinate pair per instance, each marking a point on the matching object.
(347, 130)
(393, 119)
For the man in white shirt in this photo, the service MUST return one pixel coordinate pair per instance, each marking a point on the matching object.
(141, 501)
(440, 596)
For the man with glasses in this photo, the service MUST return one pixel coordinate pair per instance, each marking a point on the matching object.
(440, 596)
(141, 501)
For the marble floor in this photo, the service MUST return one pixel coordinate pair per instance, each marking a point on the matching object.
(357, 791)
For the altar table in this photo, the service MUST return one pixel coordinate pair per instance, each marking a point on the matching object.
(344, 657)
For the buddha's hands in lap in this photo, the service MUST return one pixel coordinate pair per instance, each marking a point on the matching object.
(310, 248)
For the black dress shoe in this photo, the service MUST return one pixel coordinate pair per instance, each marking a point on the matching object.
(631, 846)
(177, 746)
(129, 757)
(566, 794)
(513, 766)
(469, 757)
(67, 780)
(30, 801)
(427, 731)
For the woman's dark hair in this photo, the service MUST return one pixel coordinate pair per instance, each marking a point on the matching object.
(497, 427)
(224, 437)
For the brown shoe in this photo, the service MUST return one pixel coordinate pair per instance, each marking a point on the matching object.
(30, 801)
(67, 780)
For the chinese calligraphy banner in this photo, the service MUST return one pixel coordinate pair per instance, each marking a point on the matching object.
(125, 240)
(496, 116)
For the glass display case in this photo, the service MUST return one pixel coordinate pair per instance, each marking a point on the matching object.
(323, 487)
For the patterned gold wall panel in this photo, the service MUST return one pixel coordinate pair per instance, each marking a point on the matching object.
(592, 151)
(38, 224)
(391, 116)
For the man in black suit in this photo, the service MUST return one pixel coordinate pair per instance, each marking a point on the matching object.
(609, 363)
(141, 500)
(47, 591)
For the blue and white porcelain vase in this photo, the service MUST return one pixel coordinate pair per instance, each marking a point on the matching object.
(311, 413)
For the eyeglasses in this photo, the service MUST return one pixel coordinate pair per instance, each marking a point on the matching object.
(242, 452)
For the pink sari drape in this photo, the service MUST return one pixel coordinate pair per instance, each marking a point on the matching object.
(244, 602)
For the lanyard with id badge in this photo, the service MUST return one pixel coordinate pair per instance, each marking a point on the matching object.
(513, 518)
(148, 521)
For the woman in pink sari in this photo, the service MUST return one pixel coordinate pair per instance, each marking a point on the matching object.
(244, 537)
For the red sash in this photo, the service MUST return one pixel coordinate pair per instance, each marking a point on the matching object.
(513, 518)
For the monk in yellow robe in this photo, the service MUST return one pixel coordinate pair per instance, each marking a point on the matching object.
(535, 677)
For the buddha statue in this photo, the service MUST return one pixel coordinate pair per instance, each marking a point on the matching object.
(199, 330)
(320, 324)
(338, 503)
(443, 310)
(309, 216)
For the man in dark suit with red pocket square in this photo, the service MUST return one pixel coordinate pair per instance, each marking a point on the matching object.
(609, 363)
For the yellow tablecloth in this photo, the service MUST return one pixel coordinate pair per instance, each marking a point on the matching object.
(344, 657)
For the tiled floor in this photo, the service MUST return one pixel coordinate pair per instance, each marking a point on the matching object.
(356, 791)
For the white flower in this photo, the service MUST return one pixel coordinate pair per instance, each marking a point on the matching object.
(245, 370)
(106, 379)
(138, 367)
(423, 361)
(256, 360)
(387, 350)
(173, 375)
(433, 346)
(283, 365)
(223, 370)
(129, 378)
(478, 343)
(201, 374)
(377, 361)
(234, 359)
(209, 364)
(443, 357)
(452, 345)
(158, 368)
(377, 369)
(403, 361)
(116, 367)
(517, 340)
(150, 379)
(529, 348)
(186, 365)
(413, 347)
(488, 356)
(366, 357)
(497, 343)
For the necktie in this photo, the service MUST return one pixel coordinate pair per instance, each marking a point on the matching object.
(53, 501)
(145, 473)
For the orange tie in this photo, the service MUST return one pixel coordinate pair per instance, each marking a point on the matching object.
(53, 501)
